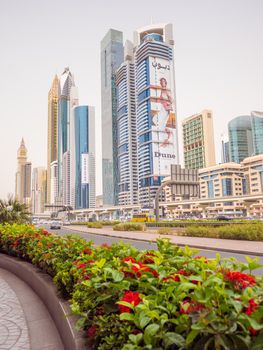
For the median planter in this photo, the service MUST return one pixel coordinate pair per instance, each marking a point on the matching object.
(58, 308)
(136, 300)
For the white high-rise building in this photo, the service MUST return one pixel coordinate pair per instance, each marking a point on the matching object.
(39, 183)
(54, 182)
(126, 126)
(68, 99)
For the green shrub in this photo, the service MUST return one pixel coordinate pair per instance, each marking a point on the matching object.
(249, 232)
(165, 231)
(95, 224)
(128, 226)
(136, 300)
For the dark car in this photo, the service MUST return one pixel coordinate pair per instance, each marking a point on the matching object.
(223, 217)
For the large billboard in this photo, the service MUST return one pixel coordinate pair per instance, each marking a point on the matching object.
(163, 114)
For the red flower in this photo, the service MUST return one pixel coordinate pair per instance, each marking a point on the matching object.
(81, 266)
(251, 308)
(136, 331)
(45, 232)
(148, 258)
(87, 251)
(200, 257)
(173, 277)
(239, 279)
(252, 331)
(129, 258)
(130, 297)
(91, 331)
(105, 245)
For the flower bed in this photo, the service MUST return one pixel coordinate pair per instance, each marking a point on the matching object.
(129, 226)
(131, 300)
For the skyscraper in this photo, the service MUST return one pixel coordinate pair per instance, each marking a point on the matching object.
(83, 163)
(198, 139)
(127, 133)
(67, 100)
(39, 182)
(23, 176)
(155, 107)
(257, 131)
(111, 58)
(240, 138)
(225, 153)
(52, 141)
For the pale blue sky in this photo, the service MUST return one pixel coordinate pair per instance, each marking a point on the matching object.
(218, 50)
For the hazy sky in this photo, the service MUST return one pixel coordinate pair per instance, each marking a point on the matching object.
(218, 51)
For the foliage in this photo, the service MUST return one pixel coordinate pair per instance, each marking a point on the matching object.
(141, 300)
(205, 223)
(250, 232)
(94, 224)
(12, 211)
(129, 226)
(164, 231)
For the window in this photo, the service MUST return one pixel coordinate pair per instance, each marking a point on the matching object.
(227, 187)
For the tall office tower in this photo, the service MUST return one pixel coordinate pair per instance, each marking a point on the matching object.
(67, 100)
(83, 188)
(225, 154)
(111, 59)
(257, 131)
(39, 182)
(54, 182)
(23, 176)
(198, 138)
(155, 108)
(240, 138)
(52, 140)
(127, 133)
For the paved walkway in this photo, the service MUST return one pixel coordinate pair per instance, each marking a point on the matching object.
(227, 245)
(25, 323)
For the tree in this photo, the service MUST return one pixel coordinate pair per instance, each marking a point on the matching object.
(12, 211)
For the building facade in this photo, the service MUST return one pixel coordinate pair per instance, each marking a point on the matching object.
(52, 140)
(54, 182)
(67, 100)
(156, 122)
(126, 130)
(198, 140)
(111, 59)
(240, 138)
(39, 183)
(83, 165)
(23, 176)
(257, 131)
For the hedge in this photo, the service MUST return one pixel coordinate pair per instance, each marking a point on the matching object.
(148, 300)
(250, 232)
(128, 226)
(206, 223)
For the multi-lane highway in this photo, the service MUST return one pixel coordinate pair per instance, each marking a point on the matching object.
(99, 239)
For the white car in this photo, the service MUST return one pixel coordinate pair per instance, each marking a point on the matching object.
(55, 225)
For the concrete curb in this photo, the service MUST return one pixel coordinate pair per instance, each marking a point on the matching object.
(58, 308)
(197, 246)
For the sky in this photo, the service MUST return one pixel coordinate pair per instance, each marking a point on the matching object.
(218, 62)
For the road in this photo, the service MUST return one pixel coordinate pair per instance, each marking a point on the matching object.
(99, 239)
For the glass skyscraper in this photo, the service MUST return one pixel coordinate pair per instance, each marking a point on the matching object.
(83, 164)
(257, 131)
(240, 138)
(156, 119)
(111, 59)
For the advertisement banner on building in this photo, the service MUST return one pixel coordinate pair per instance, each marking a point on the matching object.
(163, 114)
(84, 168)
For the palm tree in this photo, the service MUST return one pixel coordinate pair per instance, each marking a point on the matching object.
(12, 211)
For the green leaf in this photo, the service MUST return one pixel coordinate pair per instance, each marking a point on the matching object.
(117, 276)
(171, 338)
(191, 336)
(258, 343)
(149, 332)
(125, 303)
(100, 263)
(144, 320)
(126, 316)
(185, 287)
(136, 339)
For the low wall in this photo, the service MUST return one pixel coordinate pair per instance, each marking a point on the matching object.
(58, 308)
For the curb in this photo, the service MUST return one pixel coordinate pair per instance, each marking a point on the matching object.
(197, 246)
(58, 308)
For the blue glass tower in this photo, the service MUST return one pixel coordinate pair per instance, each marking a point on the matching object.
(84, 157)
(257, 131)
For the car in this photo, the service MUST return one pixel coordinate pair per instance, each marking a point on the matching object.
(55, 225)
(223, 218)
(66, 222)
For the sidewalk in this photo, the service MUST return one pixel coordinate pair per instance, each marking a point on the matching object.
(225, 245)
